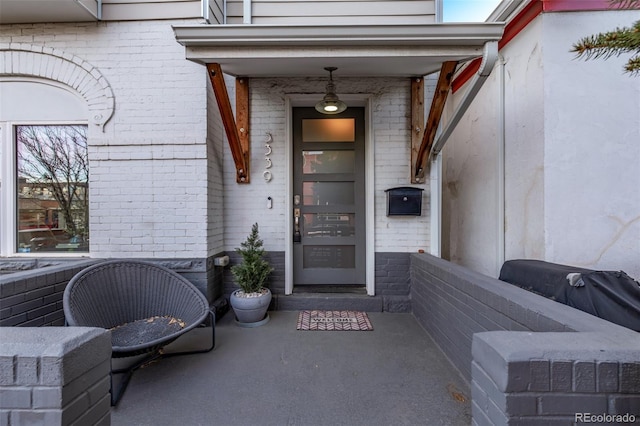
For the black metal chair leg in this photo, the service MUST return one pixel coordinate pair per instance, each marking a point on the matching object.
(116, 394)
(212, 319)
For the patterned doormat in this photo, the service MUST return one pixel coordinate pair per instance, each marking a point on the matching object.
(333, 321)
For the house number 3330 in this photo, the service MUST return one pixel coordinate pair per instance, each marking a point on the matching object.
(267, 173)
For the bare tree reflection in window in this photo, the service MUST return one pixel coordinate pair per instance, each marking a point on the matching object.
(53, 166)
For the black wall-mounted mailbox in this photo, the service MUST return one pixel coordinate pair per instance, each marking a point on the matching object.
(404, 201)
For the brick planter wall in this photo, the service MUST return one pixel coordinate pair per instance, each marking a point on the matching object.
(55, 376)
(530, 360)
(554, 378)
(33, 297)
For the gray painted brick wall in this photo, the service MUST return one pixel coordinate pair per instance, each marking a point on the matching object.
(552, 378)
(392, 275)
(33, 296)
(530, 360)
(201, 272)
(55, 376)
(453, 303)
(393, 280)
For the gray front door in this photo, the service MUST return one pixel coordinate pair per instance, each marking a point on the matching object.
(329, 198)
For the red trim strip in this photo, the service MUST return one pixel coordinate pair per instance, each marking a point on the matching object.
(574, 5)
(512, 29)
(524, 18)
(521, 21)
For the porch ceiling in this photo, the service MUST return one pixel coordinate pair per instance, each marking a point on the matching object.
(357, 50)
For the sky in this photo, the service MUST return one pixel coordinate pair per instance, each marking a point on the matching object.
(468, 10)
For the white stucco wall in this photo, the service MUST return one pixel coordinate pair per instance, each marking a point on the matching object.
(148, 169)
(524, 106)
(592, 149)
(469, 183)
(472, 158)
(572, 161)
(246, 204)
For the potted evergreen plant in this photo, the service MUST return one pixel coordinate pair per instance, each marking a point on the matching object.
(251, 301)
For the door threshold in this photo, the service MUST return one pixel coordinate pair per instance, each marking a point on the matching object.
(324, 288)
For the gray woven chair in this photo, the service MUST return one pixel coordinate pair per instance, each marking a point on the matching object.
(146, 307)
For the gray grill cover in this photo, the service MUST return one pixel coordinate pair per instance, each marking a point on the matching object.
(611, 295)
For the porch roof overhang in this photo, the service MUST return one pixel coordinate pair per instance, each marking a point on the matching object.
(247, 51)
(357, 50)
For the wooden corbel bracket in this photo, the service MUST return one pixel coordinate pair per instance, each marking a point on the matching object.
(237, 133)
(426, 138)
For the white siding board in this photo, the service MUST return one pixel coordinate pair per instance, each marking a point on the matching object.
(336, 20)
(351, 8)
(311, 12)
(147, 10)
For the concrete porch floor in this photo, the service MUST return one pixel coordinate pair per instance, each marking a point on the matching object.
(276, 375)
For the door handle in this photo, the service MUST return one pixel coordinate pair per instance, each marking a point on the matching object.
(297, 236)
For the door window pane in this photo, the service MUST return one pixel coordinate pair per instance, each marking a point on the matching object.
(327, 193)
(52, 188)
(329, 225)
(328, 161)
(329, 130)
(329, 257)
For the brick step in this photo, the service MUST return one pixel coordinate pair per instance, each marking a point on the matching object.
(327, 301)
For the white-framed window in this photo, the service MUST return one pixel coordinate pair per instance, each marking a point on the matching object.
(44, 177)
(52, 188)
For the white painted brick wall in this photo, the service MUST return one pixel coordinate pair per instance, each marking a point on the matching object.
(162, 177)
(149, 169)
(216, 147)
(246, 204)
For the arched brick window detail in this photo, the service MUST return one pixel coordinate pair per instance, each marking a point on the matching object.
(53, 64)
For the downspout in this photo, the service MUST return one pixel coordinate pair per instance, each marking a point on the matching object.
(439, 11)
(435, 189)
(501, 168)
(489, 58)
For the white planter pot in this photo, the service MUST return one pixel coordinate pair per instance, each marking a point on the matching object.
(252, 309)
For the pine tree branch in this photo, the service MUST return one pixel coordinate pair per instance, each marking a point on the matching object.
(633, 66)
(613, 43)
(606, 45)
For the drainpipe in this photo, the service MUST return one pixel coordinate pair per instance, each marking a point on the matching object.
(435, 186)
(439, 9)
(501, 168)
(489, 58)
(246, 11)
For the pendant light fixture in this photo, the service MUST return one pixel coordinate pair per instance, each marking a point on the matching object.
(330, 104)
